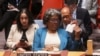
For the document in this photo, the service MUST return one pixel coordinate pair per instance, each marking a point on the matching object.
(70, 27)
(49, 52)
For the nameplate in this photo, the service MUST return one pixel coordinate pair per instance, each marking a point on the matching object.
(32, 54)
(39, 54)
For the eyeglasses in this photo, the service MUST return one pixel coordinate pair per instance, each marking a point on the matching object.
(67, 16)
(54, 21)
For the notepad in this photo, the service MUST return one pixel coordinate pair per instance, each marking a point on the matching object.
(70, 27)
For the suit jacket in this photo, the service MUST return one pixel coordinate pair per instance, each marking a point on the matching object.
(91, 6)
(39, 39)
(83, 15)
(84, 21)
(15, 35)
(74, 45)
(1, 2)
(22, 4)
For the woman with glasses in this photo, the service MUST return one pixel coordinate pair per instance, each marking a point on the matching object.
(50, 38)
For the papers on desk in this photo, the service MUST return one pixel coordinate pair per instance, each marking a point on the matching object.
(38, 53)
(96, 52)
(49, 52)
(70, 27)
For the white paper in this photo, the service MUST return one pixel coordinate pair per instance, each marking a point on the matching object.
(96, 53)
(49, 52)
(70, 27)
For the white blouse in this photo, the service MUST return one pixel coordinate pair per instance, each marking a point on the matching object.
(52, 39)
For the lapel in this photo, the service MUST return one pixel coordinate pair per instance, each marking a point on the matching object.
(60, 37)
(77, 13)
(79, 16)
(43, 36)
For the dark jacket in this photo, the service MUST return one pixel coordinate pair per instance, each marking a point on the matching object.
(83, 15)
(84, 21)
(22, 4)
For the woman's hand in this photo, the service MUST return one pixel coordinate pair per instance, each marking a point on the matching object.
(48, 48)
(22, 44)
(20, 50)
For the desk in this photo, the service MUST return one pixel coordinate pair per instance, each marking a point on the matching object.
(70, 53)
(76, 53)
(1, 53)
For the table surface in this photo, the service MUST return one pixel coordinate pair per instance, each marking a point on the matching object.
(75, 53)
(1, 53)
(70, 53)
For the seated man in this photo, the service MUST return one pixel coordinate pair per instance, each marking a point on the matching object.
(72, 26)
(83, 18)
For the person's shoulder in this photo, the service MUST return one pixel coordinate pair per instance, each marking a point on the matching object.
(14, 26)
(42, 29)
(61, 30)
(82, 9)
(35, 25)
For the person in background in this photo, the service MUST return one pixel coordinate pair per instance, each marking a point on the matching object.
(51, 37)
(74, 43)
(91, 6)
(1, 10)
(21, 35)
(36, 8)
(83, 18)
(11, 8)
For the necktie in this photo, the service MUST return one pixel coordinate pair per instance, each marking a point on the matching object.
(80, 3)
(24, 35)
(17, 2)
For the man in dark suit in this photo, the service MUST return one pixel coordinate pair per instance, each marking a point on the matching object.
(73, 28)
(36, 8)
(83, 18)
(91, 6)
(11, 8)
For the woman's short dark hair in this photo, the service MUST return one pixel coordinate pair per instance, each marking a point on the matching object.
(49, 13)
(70, 2)
(30, 18)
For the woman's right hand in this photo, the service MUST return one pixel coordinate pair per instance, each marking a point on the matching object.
(20, 50)
(48, 48)
(22, 44)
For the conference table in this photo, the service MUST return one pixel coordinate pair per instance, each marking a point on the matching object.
(63, 53)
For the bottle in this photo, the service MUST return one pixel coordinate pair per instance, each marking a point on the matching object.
(89, 47)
